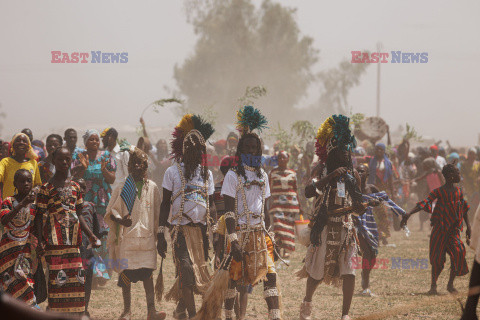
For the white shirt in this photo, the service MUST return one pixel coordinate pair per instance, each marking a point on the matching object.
(441, 161)
(195, 207)
(121, 159)
(252, 194)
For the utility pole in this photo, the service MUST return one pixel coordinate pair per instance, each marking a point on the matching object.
(379, 49)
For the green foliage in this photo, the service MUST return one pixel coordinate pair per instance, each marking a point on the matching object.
(304, 130)
(356, 119)
(412, 134)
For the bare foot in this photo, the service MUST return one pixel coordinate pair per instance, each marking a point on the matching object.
(432, 292)
(452, 289)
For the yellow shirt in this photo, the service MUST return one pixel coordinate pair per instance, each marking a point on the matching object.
(8, 167)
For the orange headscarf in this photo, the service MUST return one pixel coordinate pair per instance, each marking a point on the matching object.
(30, 153)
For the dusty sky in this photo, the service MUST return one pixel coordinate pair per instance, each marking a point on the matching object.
(440, 98)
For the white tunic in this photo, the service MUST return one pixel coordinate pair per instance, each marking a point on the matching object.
(253, 194)
(137, 243)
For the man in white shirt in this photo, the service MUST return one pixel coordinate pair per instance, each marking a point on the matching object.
(245, 190)
(109, 138)
(188, 189)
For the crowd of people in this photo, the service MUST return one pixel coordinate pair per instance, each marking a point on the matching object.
(72, 215)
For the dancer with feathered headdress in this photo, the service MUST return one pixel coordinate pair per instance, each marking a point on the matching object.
(245, 190)
(188, 189)
(333, 244)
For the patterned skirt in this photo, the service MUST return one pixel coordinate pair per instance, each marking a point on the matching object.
(16, 274)
(284, 211)
(66, 279)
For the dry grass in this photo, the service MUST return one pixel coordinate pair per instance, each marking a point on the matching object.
(400, 293)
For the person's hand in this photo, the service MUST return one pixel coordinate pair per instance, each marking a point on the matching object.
(236, 251)
(30, 198)
(340, 171)
(161, 245)
(468, 233)
(405, 218)
(125, 221)
(373, 203)
(83, 160)
(142, 122)
(103, 165)
(95, 242)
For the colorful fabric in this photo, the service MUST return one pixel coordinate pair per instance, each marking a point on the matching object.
(16, 258)
(444, 241)
(39, 152)
(8, 167)
(58, 206)
(47, 170)
(449, 209)
(367, 227)
(98, 190)
(236, 271)
(66, 278)
(284, 206)
(380, 171)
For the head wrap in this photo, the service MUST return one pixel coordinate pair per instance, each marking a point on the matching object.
(434, 147)
(88, 134)
(104, 132)
(381, 146)
(334, 133)
(190, 125)
(373, 166)
(472, 149)
(30, 153)
(285, 153)
(108, 131)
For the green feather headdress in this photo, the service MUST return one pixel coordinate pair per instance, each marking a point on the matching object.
(249, 119)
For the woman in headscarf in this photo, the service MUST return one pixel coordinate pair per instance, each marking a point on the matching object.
(21, 156)
(97, 168)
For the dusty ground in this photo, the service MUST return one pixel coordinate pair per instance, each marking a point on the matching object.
(400, 293)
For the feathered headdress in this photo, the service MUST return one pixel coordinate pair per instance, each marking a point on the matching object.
(334, 133)
(249, 119)
(190, 125)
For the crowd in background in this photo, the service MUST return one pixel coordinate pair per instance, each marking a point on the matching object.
(99, 163)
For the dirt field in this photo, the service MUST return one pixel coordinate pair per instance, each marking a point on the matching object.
(400, 293)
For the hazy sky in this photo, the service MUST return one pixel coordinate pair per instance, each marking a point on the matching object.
(440, 98)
